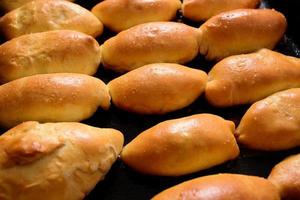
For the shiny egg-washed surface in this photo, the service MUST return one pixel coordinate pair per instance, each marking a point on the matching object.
(122, 183)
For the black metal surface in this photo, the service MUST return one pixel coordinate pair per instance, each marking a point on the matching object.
(121, 183)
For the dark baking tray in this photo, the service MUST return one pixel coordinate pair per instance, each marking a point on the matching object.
(121, 183)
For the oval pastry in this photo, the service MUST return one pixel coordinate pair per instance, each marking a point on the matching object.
(41, 15)
(222, 187)
(240, 31)
(273, 123)
(49, 52)
(157, 88)
(286, 176)
(8, 5)
(182, 146)
(119, 15)
(51, 98)
(200, 10)
(55, 160)
(248, 78)
(154, 42)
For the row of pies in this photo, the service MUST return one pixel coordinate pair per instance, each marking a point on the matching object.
(228, 33)
(135, 12)
(165, 87)
(66, 160)
(156, 42)
(282, 183)
(261, 73)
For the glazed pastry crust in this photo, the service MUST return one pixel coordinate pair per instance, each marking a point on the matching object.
(55, 160)
(273, 123)
(51, 98)
(286, 176)
(200, 10)
(222, 187)
(154, 42)
(182, 146)
(248, 78)
(119, 15)
(41, 16)
(157, 88)
(49, 52)
(240, 31)
(8, 5)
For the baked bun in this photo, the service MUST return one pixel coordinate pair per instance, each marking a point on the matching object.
(51, 98)
(8, 5)
(49, 52)
(200, 10)
(119, 15)
(273, 123)
(153, 42)
(41, 15)
(182, 146)
(244, 79)
(240, 31)
(55, 160)
(222, 187)
(157, 88)
(286, 176)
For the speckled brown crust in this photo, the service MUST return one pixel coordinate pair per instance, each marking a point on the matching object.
(41, 15)
(222, 187)
(49, 52)
(182, 146)
(273, 123)
(8, 5)
(240, 31)
(153, 42)
(55, 161)
(248, 78)
(157, 88)
(119, 15)
(51, 98)
(286, 176)
(200, 10)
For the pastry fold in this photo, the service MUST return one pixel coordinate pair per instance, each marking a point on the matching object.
(240, 31)
(40, 16)
(157, 88)
(244, 79)
(286, 175)
(182, 146)
(222, 187)
(200, 10)
(49, 52)
(8, 5)
(55, 160)
(61, 97)
(119, 15)
(153, 42)
(273, 123)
